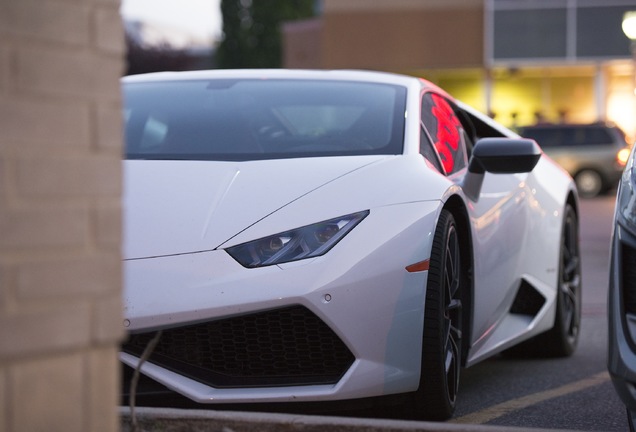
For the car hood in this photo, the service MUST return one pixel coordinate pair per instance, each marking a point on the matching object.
(177, 207)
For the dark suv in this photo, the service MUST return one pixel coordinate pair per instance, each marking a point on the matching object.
(594, 154)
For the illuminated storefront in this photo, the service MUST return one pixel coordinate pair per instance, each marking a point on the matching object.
(522, 61)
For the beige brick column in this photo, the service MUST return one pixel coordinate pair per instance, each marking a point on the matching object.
(60, 222)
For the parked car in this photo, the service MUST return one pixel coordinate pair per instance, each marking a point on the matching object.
(594, 154)
(622, 293)
(295, 236)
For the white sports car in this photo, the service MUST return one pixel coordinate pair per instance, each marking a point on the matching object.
(336, 235)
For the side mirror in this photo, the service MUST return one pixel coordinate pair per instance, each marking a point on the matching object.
(504, 155)
(499, 156)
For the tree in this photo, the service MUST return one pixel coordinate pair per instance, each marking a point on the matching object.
(252, 31)
(142, 59)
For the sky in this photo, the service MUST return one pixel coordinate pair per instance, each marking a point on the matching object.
(200, 17)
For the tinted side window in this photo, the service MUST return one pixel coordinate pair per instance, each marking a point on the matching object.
(546, 137)
(569, 136)
(446, 131)
(592, 136)
(427, 150)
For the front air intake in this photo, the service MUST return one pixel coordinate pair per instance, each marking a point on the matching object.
(289, 346)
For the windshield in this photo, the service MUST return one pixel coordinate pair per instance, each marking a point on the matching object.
(251, 119)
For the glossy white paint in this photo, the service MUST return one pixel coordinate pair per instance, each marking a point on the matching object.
(180, 215)
(364, 275)
(200, 205)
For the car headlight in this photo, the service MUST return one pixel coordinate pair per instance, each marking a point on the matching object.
(305, 242)
(626, 201)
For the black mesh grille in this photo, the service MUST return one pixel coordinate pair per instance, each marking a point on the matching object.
(628, 270)
(289, 346)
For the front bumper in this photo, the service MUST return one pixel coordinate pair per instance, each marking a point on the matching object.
(344, 325)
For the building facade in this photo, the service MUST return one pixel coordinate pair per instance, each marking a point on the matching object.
(521, 61)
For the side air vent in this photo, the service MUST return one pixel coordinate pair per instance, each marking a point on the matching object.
(528, 300)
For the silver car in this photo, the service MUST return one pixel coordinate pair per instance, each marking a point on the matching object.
(622, 293)
(594, 154)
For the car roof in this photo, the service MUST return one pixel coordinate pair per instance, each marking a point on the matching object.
(313, 74)
(273, 73)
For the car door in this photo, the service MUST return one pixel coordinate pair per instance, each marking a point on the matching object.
(498, 217)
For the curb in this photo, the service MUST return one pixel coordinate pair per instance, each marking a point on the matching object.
(181, 420)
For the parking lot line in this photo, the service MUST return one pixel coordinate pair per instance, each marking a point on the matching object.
(495, 411)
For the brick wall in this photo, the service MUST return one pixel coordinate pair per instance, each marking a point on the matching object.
(60, 224)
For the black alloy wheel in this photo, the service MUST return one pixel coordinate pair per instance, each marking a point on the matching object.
(442, 343)
(561, 340)
(565, 334)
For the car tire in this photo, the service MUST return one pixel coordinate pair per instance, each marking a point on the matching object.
(442, 345)
(562, 338)
(631, 419)
(589, 183)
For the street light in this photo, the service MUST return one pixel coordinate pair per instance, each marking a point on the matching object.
(629, 25)
(629, 28)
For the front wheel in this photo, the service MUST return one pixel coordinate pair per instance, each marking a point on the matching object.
(442, 345)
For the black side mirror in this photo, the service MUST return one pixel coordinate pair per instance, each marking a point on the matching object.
(504, 155)
(499, 156)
